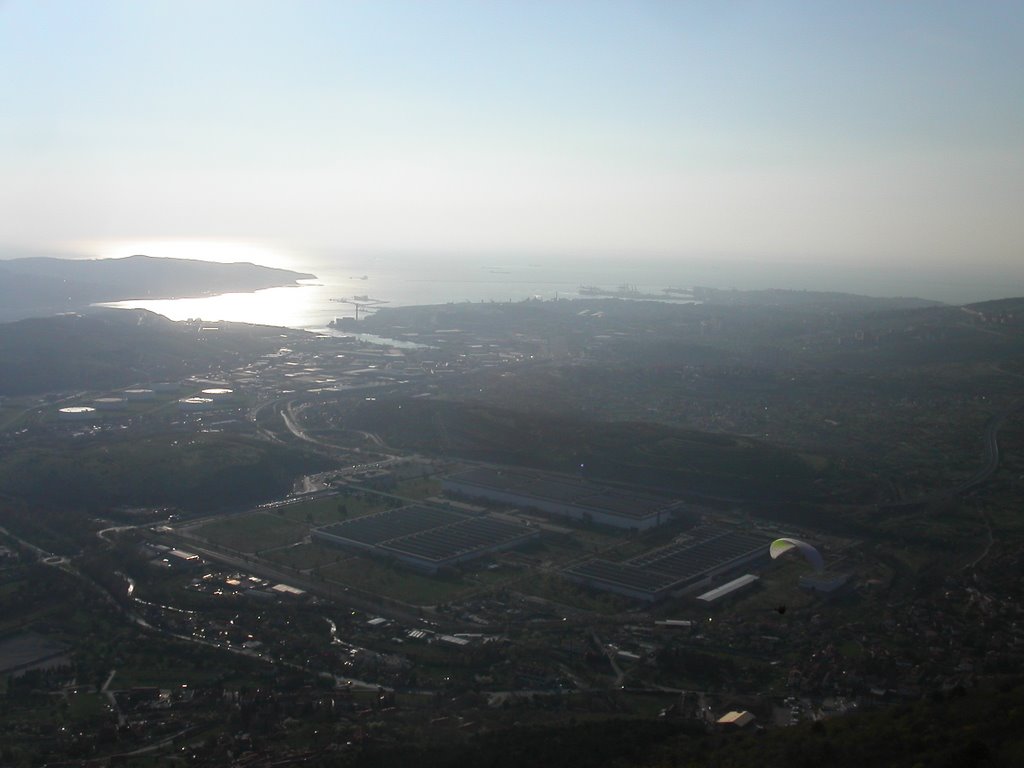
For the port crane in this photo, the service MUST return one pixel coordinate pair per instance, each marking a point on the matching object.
(364, 303)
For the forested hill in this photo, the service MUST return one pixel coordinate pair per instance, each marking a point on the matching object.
(35, 287)
(113, 347)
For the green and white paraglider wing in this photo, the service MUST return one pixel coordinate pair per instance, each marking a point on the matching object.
(813, 556)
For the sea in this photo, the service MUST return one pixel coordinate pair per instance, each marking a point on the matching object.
(344, 280)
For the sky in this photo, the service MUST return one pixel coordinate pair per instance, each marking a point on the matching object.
(861, 132)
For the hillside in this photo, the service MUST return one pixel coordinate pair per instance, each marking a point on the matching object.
(676, 460)
(203, 473)
(113, 348)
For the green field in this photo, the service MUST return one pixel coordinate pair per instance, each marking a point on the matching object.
(332, 509)
(418, 488)
(252, 532)
(304, 556)
(9, 416)
(362, 572)
(148, 671)
(88, 707)
(355, 503)
(396, 583)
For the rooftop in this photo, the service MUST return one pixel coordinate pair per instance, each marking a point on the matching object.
(565, 489)
(727, 588)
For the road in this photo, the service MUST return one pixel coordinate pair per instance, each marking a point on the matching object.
(989, 541)
(991, 439)
(111, 699)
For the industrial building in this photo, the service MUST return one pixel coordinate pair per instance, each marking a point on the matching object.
(77, 413)
(424, 537)
(218, 394)
(729, 588)
(684, 566)
(565, 496)
(736, 719)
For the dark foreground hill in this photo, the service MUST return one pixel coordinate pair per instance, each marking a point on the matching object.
(205, 472)
(36, 287)
(957, 730)
(114, 348)
(679, 461)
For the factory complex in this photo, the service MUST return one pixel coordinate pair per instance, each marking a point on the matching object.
(426, 538)
(686, 565)
(564, 496)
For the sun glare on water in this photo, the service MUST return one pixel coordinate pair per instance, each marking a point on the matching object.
(296, 307)
(292, 307)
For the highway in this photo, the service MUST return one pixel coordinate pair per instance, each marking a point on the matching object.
(991, 439)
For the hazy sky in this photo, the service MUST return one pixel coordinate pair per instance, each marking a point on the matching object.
(856, 131)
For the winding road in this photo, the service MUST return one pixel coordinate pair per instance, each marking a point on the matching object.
(990, 437)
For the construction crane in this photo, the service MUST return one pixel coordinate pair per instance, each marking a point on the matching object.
(364, 303)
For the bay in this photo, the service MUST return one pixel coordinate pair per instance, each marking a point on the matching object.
(403, 279)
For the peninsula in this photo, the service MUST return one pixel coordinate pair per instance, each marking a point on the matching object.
(38, 286)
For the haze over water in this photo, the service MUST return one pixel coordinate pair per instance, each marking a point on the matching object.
(403, 279)
(458, 151)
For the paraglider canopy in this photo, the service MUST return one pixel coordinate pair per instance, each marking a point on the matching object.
(781, 546)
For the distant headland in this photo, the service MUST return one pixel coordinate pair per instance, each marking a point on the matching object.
(39, 286)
